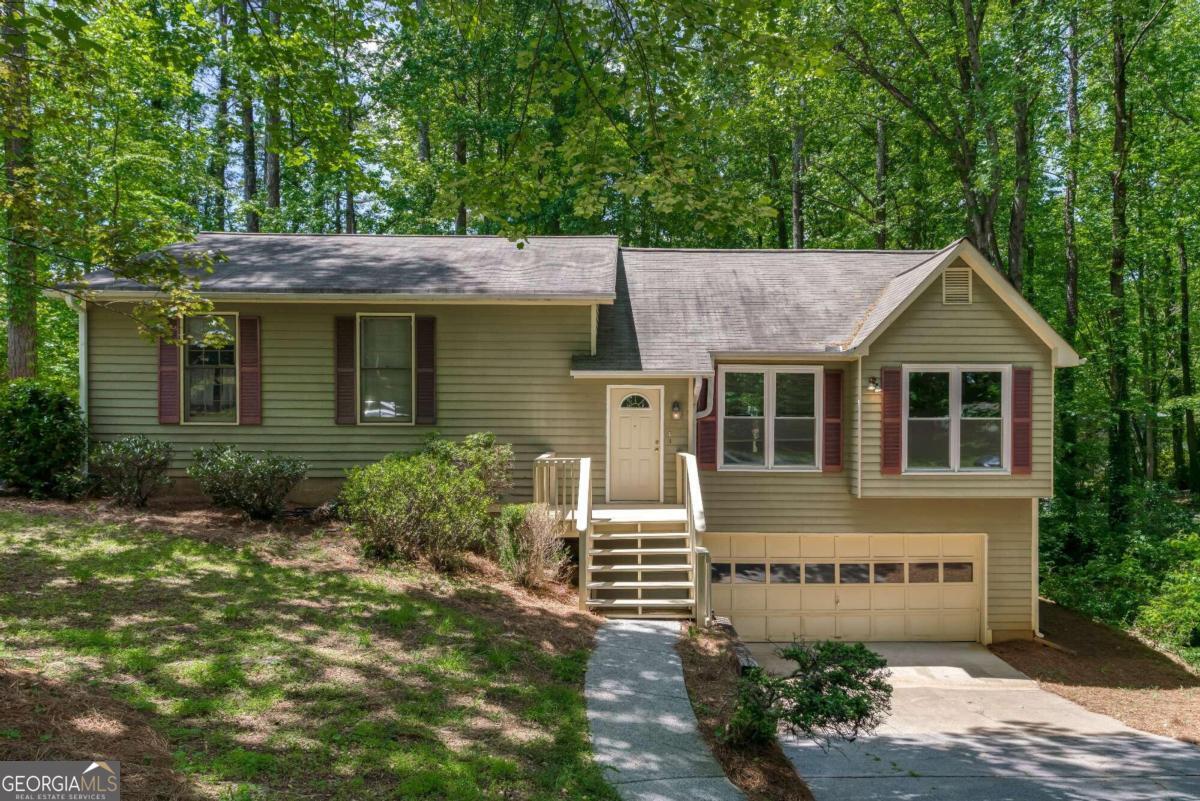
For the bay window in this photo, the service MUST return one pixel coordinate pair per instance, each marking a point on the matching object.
(956, 418)
(769, 417)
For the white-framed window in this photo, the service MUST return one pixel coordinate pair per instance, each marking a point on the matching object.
(210, 369)
(769, 418)
(386, 362)
(957, 418)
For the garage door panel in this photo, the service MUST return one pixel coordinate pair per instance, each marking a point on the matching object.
(923, 626)
(818, 546)
(722, 598)
(819, 627)
(923, 545)
(960, 596)
(750, 627)
(960, 626)
(853, 627)
(818, 599)
(717, 545)
(785, 627)
(926, 596)
(783, 546)
(887, 627)
(887, 545)
(853, 598)
(850, 546)
(749, 546)
(953, 545)
(785, 597)
(883, 598)
(749, 598)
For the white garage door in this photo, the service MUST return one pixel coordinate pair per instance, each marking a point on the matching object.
(862, 587)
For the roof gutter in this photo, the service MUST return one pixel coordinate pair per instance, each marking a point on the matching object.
(332, 297)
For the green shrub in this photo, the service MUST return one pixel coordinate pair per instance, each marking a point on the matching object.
(256, 484)
(836, 691)
(480, 454)
(1172, 616)
(419, 505)
(529, 544)
(132, 468)
(43, 439)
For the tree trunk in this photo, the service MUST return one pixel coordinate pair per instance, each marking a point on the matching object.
(1022, 145)
(797, 186)
(274, 130)
(21, 273)
(249, 162)
(1068, 470)
(351, 209)
(1120, 440)
(1185, 360)
(423, 142)
(218, 164)
(881, 168)
(460, 157)
(781, 230)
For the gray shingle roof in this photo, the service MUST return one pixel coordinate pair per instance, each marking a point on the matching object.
(675, 308)
(475, 266)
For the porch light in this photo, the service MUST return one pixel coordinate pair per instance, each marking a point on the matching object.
(676, 410)
(873, 384)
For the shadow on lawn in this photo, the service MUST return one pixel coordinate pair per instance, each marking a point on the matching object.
(275, 681)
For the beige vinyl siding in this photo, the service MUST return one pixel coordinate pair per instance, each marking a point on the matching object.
(819, 508)
(984, 332)
(502, 368)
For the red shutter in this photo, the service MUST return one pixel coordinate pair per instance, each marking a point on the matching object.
(345, 412)
(249, 371)
(831, 436)
(706, 431)
(168, 379)
(1022, 420)
(426, 333)
(892, 424)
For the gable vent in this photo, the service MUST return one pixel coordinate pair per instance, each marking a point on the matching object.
(956, 286)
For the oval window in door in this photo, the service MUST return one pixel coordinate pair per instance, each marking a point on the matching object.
(635, 401)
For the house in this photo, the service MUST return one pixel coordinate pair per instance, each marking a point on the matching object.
(824, 444)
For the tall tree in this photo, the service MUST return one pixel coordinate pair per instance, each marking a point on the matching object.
(21, 285)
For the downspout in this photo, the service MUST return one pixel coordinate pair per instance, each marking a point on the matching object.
(80, 309)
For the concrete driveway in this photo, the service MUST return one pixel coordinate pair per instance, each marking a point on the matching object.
(966, 726)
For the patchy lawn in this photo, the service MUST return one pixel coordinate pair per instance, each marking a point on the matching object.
(710, 670)
(217, 660)
(1108, 671)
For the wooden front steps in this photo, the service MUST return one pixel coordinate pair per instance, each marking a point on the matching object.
(640, 563)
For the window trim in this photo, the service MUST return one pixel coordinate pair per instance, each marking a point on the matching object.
(769, 372)
(955, 371)
(237, 367)
(412, 324)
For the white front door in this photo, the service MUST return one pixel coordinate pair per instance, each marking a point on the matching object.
(635, 444)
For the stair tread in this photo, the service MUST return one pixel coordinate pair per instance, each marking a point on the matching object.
(632, 568)
(636, 551)
(633, 585)
(637, 535)
(655, 602)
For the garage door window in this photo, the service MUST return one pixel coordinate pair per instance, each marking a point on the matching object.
(958, 572)
(755, 573)
(721, 572)
(818, 573)
(889, 573)
(785, 574)
(855, 573)
(923, 573)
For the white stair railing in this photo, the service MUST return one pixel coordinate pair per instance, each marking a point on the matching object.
(583, 525)
(693, 504)
(556, 482)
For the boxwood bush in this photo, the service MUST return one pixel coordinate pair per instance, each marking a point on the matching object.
(43, 439)
(256, 484)
(132, 469)
(417, 505)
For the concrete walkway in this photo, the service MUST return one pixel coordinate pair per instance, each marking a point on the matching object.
(644, 733)
(967, 725)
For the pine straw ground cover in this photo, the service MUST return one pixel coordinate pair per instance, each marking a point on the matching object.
(1110, 672)
(222, 660)
(710, 670)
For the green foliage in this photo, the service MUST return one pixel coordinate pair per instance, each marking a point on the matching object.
(43, 439)
(480, 454)
(1172, 616)
(529, 544)
(836, 691)
(132, 469)
(417, 505)
(255, 484)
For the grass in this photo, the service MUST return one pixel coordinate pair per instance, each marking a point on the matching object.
(253, 669)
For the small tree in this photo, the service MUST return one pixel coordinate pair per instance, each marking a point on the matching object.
(837, 691)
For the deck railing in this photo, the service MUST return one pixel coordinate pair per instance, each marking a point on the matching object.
(687, 474)
(556, 484)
